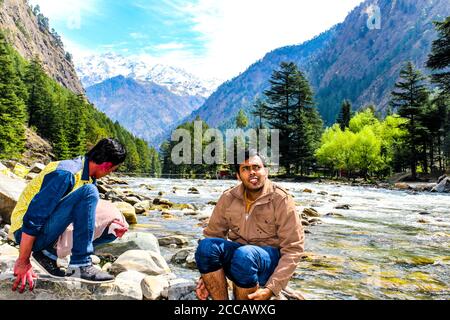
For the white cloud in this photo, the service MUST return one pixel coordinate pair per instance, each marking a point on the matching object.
(239, 32)
(170, 46)
(71, 12)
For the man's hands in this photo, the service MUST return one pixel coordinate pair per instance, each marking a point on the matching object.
(23, 271)
(201, 291)
(261, 294)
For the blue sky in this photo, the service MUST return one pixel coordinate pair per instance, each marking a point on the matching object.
(210, 38)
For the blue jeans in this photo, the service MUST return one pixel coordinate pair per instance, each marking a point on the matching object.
(245, 265)
(78, 208)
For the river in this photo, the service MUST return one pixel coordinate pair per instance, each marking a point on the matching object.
(383, 247)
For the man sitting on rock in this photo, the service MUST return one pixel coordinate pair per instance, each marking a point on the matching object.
(254, 238)
(64, 193)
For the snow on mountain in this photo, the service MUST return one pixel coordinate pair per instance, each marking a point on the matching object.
(98, 68)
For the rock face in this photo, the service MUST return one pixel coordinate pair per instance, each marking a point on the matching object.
(30, 39)
(10, 190)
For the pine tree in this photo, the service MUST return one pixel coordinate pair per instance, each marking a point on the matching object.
(439, 59)
(258, 112)
(345, 115)
(12, 108)
(409, 99)
(76, 127)
(281, 108)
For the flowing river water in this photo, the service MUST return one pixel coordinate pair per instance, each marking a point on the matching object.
(382, 247)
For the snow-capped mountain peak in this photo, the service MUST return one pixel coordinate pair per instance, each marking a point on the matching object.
(98, 68)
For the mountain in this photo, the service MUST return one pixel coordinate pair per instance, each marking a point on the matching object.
(29, 34)
(349, 61)
(98, 68)
(144, 108)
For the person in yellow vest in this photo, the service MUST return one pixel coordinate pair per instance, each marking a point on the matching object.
(254, 238)
(63, 193)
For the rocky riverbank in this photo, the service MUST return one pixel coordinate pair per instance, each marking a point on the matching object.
(142, 271)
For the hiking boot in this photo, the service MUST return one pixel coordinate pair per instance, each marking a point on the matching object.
(48, 265)
(89, 274)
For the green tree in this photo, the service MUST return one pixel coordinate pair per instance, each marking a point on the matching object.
(12, 108)
(439, 58)
(345, 115)
(241, 120)
(409, 99)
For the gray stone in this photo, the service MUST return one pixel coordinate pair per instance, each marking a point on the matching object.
(146, 262)
(10, 190)
(180, 256)
(30, 176)
(142, 206)
(130, 241)
(153, 287)
(132, 200)
(126, 286)
(178, 240)
(103, 189)
(443, 186)
(181, 289)
(160, 201)
(193, 191)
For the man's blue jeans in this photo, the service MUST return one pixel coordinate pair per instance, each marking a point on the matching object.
(245, 265)
(78, 208)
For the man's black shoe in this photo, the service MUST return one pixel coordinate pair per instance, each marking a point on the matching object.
(48, 265)
(89, 274)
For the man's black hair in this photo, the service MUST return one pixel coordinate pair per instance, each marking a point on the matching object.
(248, 153)
(108, 150)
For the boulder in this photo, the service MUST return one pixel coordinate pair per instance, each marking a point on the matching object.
(126, 286)
(142, 206)
(160, 201)
(130, 241)
(128, 211)
(10, 190)
(443, 186)
(178, 240)
(148, 262)
(153, 287)
(307, 190)
(103, 189)
(310, 212)
(181, 289)
(193, 191)
(132, 200)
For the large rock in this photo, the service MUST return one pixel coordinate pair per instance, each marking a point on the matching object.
(130, 241)
(142, 206)
(10, 190)
(443, 186)
(147, 262)
(178, 240)
(153, 287)
(127, 286)
(132, 200)
(181, 289)
(128, 211)
(310, 212)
